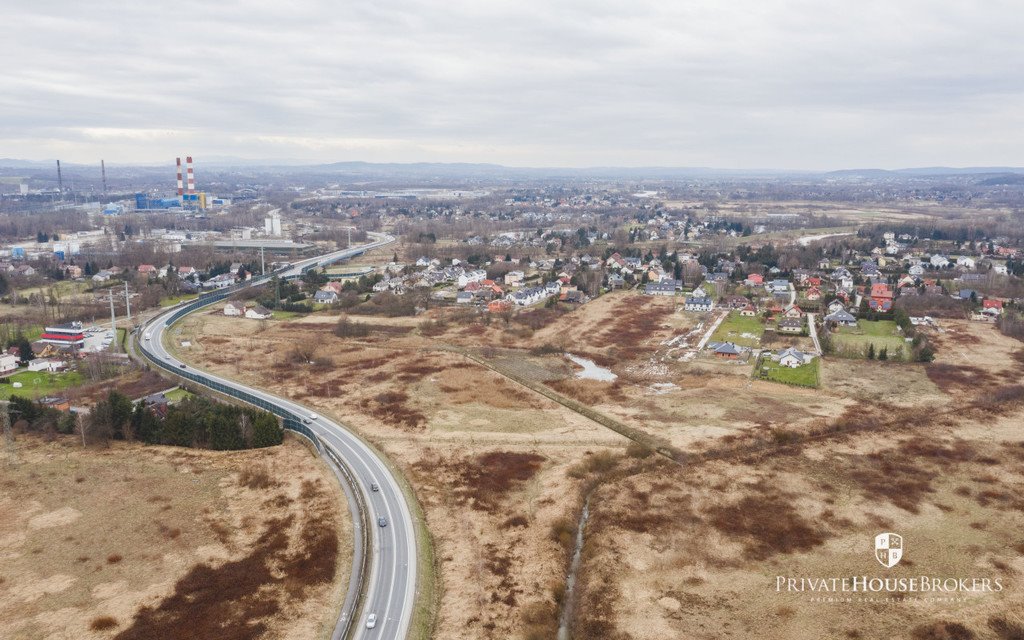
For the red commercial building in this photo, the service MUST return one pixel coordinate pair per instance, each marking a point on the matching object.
(64, 335)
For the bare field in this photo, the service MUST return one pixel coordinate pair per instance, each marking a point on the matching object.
(144, 542)
(450, 425)
(497, 468)
(696, 552)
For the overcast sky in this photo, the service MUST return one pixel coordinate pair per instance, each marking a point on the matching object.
(801, 84)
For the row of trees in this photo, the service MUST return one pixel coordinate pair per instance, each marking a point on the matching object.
(194, 422)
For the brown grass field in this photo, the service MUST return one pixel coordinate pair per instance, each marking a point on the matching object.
(780, 480)
(158, 542)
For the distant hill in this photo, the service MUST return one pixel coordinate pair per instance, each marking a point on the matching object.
(1003, 179)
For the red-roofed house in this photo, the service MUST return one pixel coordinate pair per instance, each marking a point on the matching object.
(881, 297)
(992, 304)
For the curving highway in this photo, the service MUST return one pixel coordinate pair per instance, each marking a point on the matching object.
(389, 585)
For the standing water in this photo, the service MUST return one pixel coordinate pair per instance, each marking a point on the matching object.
(590, 369)
(570, 580)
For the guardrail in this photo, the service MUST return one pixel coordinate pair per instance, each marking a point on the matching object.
(289, 419)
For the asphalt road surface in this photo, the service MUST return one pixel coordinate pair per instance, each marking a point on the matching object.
(390, 582)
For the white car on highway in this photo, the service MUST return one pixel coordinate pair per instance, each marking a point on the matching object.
(371, 621)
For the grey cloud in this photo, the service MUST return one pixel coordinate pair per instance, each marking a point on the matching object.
(770, 83)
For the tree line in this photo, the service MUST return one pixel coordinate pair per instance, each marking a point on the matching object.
(194, 422)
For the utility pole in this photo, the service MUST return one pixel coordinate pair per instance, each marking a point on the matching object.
(349, 238)
(263, 262)
(113, 319)
(127, 307)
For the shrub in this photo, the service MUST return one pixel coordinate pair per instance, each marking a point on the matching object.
(102, 623)
(256, 478)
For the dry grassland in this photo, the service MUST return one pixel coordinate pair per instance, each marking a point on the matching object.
(148, 542)
(792, 481)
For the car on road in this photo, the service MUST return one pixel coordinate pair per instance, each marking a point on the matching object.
(313, 416)
(182, 365)
(374, 486)
(382, 521)
(371, 621)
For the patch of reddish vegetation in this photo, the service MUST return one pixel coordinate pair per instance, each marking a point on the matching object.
(767, 524)
(949, 377)
(392, 408)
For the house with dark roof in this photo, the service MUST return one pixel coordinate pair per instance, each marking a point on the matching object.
(698, 303)
(791, 325)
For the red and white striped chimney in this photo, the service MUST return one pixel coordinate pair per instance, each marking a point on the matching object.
(181, 185)
(191, 176)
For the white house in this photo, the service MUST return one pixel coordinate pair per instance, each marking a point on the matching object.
(916, 270)
(234, 309)
(221, 281)
(476, 275)
(43, 364)
(792, 358)
(325, 296)
(966, 262)
(938, 261)
(8, 362)
(699, 303)
(258, 312)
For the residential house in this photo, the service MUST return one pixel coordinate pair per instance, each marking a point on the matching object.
(8, 363)
(45, 364)
(234, 309)
(698, 303)
(615, 261)
(916, 270)
(793, 311)
(464, 297)
(147, 269)
(754, 279)
(26, 270)
(778, 286)
(258, 312)
(791, 325)
(881, 297)
(325, 296)
(101, 276)
(659, 289)
(841, 317)
(965, 262)
(727, 351)
(616, 281)
(73, 271)
(735, 302)
(475, 275)
(993, 305)
(939, 261)
(814, 293)
(792, 357)
(514, 278)
(749, 311)
(222, 281)
(835, 305)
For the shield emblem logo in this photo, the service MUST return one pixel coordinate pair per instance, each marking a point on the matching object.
(888, 549)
